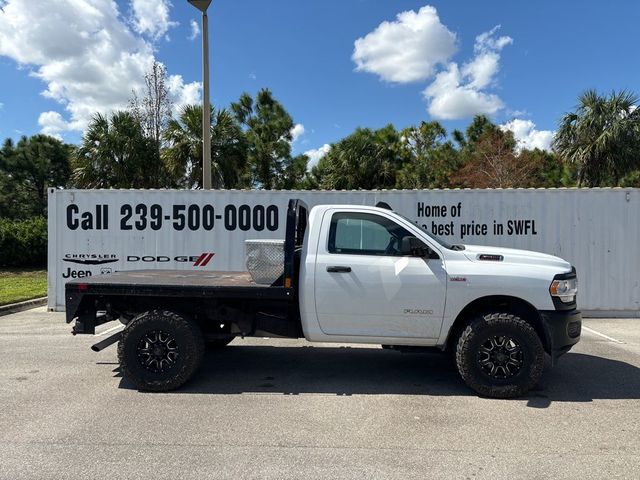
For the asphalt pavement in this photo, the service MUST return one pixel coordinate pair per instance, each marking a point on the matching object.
(283, 409)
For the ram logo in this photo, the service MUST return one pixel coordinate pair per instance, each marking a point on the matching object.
(417, 311)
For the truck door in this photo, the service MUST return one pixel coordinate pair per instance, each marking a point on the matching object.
(365, 287)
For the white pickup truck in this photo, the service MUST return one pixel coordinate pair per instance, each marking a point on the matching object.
(352, 274)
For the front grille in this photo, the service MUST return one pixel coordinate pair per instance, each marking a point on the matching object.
(573, 329)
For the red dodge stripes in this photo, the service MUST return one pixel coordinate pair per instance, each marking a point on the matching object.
(203, 259)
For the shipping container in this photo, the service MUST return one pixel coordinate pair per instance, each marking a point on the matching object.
(97, 232)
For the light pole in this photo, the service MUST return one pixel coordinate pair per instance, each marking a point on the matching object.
(202, 5)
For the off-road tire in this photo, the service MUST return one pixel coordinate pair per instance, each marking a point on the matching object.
(492, 325)
(219, 343)
(190, 350)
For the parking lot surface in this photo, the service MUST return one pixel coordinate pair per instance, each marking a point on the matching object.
(277, 409)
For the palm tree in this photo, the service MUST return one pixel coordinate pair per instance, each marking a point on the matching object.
(267, 126)
(229, 151)
(183, 155)
(366, 159)
(27, 169)
(431, 157)
(116, 154)
(601, 138)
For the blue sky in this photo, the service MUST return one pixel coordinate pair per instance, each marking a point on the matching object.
(427, 63)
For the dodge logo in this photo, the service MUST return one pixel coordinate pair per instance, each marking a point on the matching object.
(201, 260)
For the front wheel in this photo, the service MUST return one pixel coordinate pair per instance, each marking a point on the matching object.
(500, 355)
(160, 350)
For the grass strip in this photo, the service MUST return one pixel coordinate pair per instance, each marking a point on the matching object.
(20, 284)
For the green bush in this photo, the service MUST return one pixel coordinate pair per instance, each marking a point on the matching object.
(23, 243)
(632, 179)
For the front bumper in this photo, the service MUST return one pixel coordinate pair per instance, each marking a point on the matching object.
(562, 329)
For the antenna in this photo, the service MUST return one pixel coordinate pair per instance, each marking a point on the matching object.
(384, 205)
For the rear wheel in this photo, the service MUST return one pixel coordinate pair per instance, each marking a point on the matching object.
(500, 355)
(160, 350)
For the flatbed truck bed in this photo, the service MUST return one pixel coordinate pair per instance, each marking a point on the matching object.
(181, 283)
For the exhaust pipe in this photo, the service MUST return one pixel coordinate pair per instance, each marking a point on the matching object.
(106, 342)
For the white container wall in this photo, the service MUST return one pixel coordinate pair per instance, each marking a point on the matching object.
(94, 232)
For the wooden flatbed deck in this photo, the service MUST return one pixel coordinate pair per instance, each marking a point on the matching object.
(174, 278)
(176, 283)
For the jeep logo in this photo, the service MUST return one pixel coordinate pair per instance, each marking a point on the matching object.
(76, 273)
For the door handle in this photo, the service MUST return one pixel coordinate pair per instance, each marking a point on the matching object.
(338, 269)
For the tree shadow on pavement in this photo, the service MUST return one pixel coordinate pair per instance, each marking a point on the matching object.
(373, 371)
(579, 377)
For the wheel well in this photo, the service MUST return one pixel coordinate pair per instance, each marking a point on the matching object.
(210, 316)
(502, 303)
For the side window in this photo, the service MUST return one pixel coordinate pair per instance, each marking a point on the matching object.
(365, 234)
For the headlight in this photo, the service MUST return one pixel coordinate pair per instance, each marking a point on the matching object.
(565, 290)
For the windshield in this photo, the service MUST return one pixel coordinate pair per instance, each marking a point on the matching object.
(438, 240)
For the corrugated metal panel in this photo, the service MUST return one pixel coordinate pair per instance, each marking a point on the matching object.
(598, 230)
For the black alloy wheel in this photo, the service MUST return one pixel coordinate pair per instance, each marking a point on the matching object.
(500, 355)
(160, 350)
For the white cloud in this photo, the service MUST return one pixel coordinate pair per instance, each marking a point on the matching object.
(517, 113)
(416, 46)
(296, 132)
(86, 54)
(182, 94)
(481, 69)
(151, 17)
(450, 99)
(458, 92)
(486, 42)
(525, 133)
(406, 50)
(316, 154)
(195, 30)
(52, 124)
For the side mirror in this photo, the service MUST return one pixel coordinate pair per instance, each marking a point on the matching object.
(414, 247)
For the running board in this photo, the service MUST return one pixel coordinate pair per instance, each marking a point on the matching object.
(106, 342)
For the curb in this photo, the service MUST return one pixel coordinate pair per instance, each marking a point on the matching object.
(19, 307)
